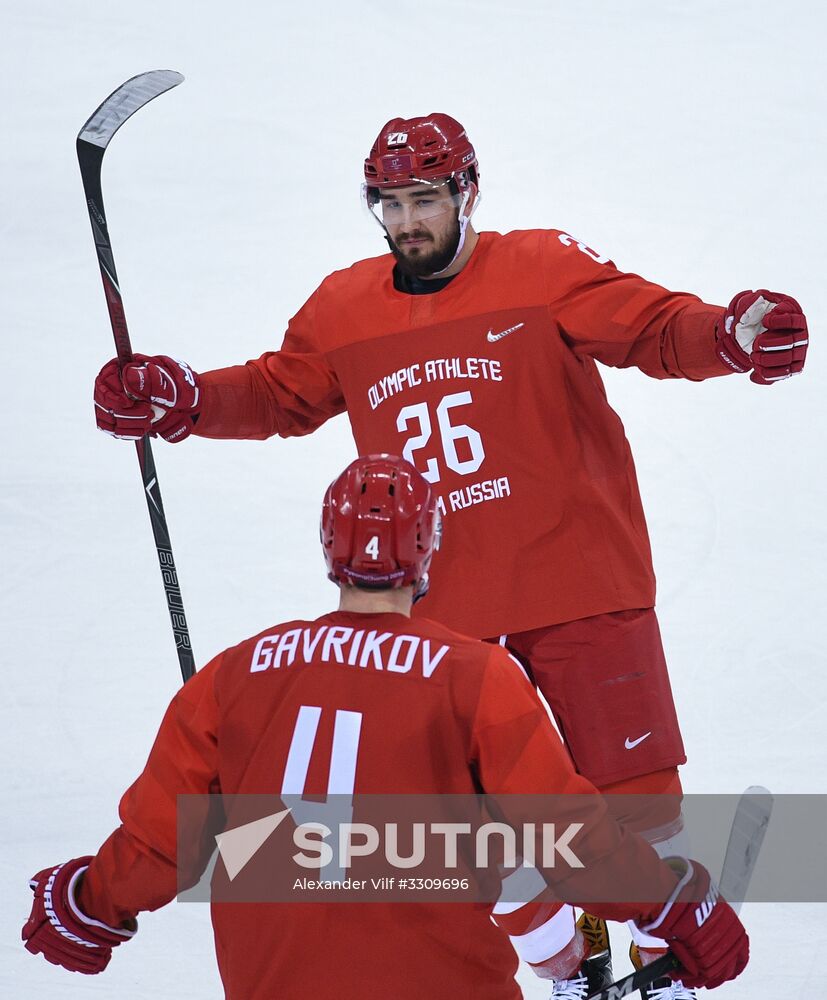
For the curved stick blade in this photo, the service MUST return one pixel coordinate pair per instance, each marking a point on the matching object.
(752, 818)
(124, 102)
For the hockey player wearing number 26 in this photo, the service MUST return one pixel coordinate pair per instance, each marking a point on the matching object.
(310, 715)
(473, 355)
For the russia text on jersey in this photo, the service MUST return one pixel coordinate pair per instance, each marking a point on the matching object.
(467, 496)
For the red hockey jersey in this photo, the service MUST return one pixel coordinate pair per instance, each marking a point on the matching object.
(437, 713)
(490, 388)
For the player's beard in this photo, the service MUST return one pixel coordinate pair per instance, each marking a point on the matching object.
(428, 259)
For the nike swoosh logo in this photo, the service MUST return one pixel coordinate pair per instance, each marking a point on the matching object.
(631, 744)
(494, 337)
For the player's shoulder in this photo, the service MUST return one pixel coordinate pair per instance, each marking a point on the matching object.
(362, 276)
(519, 240)
(477, 671)
(467, 654)
(538, 251)
(433, 629)
(549, 242)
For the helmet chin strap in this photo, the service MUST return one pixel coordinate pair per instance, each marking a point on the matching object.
(463, 227)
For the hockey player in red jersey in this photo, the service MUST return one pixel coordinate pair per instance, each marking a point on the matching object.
(454, 716)
(474, 355)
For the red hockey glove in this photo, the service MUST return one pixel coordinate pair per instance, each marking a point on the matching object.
(766, 332)
(701, 928)
(57, 928)
(152, 395)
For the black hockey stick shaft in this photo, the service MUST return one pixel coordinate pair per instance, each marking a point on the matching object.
(639, 979)
(92, 143)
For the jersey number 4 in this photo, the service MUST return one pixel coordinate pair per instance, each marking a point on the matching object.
(450, 434)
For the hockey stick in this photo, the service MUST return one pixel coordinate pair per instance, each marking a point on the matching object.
(93, 140)
(749, 825)
(751, 820)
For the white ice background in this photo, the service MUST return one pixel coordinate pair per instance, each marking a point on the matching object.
(686, 140)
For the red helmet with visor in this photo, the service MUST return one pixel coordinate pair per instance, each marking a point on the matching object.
(429, 149)
(380, 525)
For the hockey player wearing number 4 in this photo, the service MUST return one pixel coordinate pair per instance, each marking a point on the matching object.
(464, 720)
(474, 355)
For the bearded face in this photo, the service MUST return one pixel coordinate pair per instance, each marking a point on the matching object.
(421, 223)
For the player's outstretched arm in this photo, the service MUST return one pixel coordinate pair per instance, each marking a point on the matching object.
(159, 396)
(625, 321)
(287, 392)
(764, 333)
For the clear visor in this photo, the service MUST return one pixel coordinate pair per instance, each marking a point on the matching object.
(415, 202)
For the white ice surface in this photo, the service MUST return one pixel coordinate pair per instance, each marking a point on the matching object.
(687, 140)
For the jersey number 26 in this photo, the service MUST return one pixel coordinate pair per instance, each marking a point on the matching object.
(450, 434)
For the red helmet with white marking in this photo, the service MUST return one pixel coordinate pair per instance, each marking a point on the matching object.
(431, 148)
(380, 525)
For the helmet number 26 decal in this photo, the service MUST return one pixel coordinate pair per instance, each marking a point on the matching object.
(450, 434)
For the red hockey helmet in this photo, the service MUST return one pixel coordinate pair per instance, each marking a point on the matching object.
(408, 150)
(380, 525)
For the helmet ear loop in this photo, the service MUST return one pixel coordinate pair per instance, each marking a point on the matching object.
(475, 202)
(420, 588)
(470, 200)
(423, 583)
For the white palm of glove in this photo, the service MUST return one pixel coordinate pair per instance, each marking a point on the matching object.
(750, 323)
